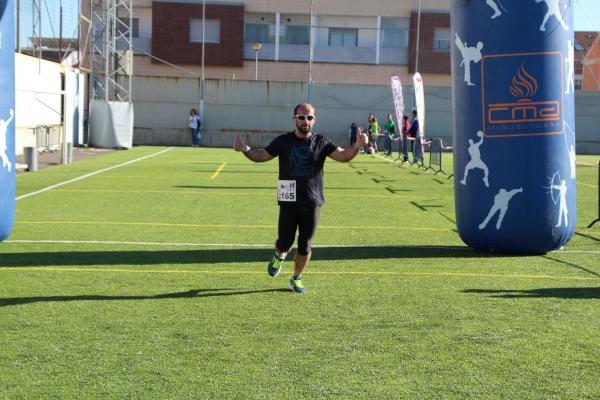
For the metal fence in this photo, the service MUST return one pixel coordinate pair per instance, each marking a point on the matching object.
(49, 138)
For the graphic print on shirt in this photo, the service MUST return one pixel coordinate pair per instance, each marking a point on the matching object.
(301, 162)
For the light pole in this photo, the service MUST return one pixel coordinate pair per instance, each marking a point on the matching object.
(202, 66)
(418, 36)
(311, 49)
(256, 46)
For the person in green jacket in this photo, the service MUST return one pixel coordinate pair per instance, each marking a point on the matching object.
(389, 131)
(373, 131)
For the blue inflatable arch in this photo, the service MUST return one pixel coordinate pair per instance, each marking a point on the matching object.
(514, 128)
(7, 119)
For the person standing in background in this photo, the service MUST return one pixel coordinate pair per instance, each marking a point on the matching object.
(390, 134)
(404, 138)
(352, 133)
(374, 130)
(417, 140)
(194, 124)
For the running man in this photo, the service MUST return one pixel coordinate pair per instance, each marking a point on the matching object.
(553, 10)
(469, 55)
(301, 155)
(476, 161)
(3, 139)
(500, 205)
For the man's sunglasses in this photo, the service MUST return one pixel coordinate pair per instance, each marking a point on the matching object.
(305, 117)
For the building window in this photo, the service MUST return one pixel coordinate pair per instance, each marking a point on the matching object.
(441, 39)
(394, 32)
(122, 24)
(212, 31)
(341, 37)
(260, 33)
(294, 34)
(397, 38)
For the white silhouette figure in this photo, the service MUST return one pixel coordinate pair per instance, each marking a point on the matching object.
(469, 55)
(3, 133)
(570, 61)
(572, 161)
(553, 9)
(494, 7)
(563, 203)
(500, 204)
(476, 161)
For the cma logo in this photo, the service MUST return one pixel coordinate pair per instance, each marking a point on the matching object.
(523, 87)
(516, 104)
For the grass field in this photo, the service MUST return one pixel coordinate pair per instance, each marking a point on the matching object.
(148, 281)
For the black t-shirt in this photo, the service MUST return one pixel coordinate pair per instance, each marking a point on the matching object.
(302, 160)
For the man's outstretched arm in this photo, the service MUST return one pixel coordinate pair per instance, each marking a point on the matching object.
(256, 155)
(348, 153)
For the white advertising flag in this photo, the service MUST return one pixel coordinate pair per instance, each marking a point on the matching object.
(398, 99)
(420, 99)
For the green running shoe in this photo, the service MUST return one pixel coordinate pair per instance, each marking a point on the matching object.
(274, 267)
(296, 285)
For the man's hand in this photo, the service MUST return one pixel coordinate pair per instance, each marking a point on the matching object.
(348, 153)
(361, 138)
(256, 155)
(239, 144)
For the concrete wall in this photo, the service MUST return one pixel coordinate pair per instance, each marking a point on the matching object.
(261, 110)
(38, 98)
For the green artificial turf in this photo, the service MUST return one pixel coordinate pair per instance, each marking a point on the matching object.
(148, 281)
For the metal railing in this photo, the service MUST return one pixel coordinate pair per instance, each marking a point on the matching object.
(48, 138)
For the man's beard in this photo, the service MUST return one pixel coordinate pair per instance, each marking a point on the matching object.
(305, 129)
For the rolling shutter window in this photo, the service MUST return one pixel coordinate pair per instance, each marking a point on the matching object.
(212, 32)
(441, 39)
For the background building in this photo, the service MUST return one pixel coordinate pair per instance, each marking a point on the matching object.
(591, 67)
(583, 42)
(247, 62)
(352, 43)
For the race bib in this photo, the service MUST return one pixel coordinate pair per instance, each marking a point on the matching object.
(287, 190)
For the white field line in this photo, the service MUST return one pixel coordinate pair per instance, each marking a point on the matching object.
(588, 185)
(90, 174)
(269, 245)
(166, 244)
(218, 225)
(422, 171)
(184, 244)
(384, 158)
(221, 193)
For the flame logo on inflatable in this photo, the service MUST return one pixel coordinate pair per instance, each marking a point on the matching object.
(524, 85)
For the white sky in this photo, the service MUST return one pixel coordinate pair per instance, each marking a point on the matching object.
(587, 15)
